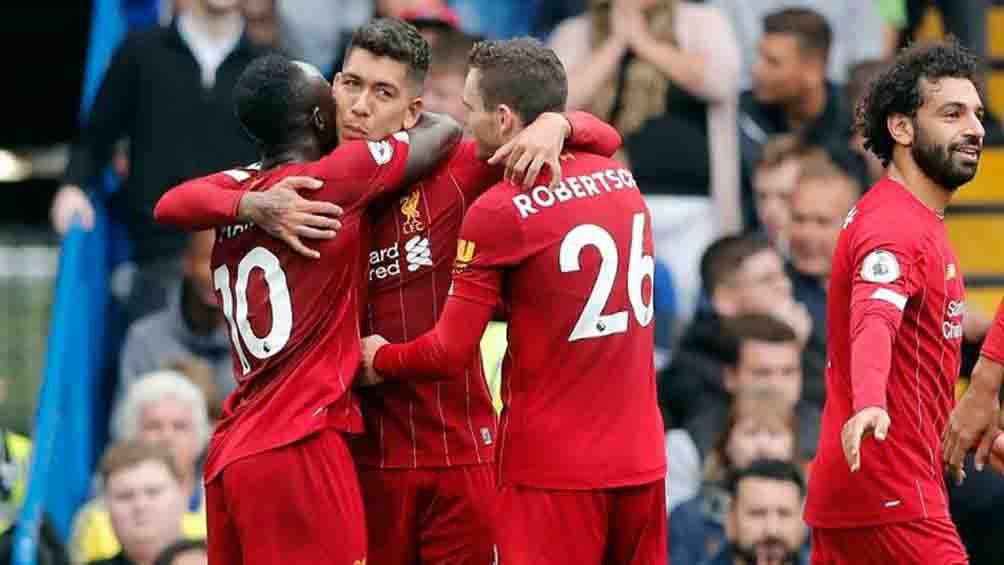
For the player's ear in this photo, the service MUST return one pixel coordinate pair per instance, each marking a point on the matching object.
(414, 112)
(319, 123)
(508, 120)
(901, 128)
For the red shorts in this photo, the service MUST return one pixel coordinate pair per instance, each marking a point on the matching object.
(296, 504)
(430, 516)
(920, 542)
(616, 526)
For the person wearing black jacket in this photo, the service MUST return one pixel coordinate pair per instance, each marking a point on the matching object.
(168, 92)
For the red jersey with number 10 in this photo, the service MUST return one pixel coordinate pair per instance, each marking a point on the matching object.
(294, 322)
(574, 265)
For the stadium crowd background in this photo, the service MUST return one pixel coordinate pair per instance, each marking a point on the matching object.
(736, 117)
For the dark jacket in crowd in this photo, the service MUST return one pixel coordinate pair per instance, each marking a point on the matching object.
(758, 122)
(152, 95)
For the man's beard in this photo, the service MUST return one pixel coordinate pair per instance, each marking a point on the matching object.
(773, 549)
(937, 162)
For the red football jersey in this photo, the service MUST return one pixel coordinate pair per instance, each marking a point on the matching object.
(894, 266)
(294, 322)
(414, 240)
(993, 345)
(448, 422)
(575, 267)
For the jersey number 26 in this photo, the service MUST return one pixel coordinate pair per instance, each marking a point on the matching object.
(592, 322)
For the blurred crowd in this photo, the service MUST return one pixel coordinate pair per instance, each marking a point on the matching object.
(736, 117)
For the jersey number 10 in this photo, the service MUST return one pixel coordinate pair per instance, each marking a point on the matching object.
(278, 297)
(592, 322)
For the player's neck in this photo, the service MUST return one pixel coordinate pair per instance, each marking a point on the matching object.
(905, 171)
(807, 108)
(218, 26)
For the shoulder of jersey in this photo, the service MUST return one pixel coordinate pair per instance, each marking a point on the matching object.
(242, 174)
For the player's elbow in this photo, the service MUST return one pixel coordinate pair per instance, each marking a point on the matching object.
(162, 212)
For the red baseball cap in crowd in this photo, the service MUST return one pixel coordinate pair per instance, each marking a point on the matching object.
(437, 14)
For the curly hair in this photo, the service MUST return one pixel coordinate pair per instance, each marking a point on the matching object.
(398, 40)
(897, 90)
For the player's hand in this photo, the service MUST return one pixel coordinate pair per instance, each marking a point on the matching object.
(871, 420)
(69, 203)
(367, 374)
(539, 144)
(287, 216)
(973, 424)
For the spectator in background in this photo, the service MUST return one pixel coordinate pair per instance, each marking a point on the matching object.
(858, 33)
(765, 520)
(757, 428)
(859, 77)
(663, 73)
(790, 91)
(261, 21)
(202, 375)
(761, 349)
(15, 456)
(433, 21)
(444, 85)
(739, 275)
(168, 90)
(191, 325)
(145, 500)
(162, 407)
(824, 194)
(318, 31)
(184, 552)
(774, 176)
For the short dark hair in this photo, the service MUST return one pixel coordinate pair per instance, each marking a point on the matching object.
(521, 73)
(809, 27)
(267, 96)
(725, 255)
(771, 469)
(398, 40)
(171, 552)
(753, 327)
(897, 90)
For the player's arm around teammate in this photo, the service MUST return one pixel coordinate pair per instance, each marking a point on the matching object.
(975, 420)
(285, 214)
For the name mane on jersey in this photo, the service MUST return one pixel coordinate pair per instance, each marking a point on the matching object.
(582, 186)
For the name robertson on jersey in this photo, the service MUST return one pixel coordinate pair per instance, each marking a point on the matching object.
(583, 186)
